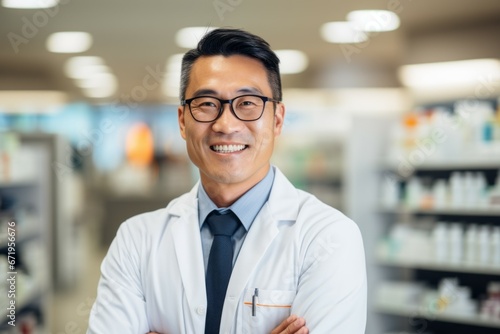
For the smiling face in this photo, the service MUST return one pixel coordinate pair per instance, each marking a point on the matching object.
(232, 155)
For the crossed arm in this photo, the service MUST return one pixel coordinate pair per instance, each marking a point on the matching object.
(331, 294)
(291, 325)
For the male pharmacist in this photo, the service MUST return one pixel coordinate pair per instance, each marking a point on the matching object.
(244, 251)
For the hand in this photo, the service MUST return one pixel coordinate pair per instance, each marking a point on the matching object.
(292, 325)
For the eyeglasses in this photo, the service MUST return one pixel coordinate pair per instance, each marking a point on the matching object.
(246, 108)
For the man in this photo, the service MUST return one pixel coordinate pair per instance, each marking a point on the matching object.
(289, 264)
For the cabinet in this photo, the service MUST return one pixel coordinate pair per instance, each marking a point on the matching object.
(24, 236)
(34, 230)
(423, 286)
(438, 249)
(415, 276)
(25, 258)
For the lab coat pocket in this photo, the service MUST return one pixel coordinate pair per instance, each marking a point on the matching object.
(264, 310)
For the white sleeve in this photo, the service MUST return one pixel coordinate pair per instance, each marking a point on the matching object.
(332, 288)
(120, 306)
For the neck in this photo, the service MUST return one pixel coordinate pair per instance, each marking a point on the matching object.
(225, 194)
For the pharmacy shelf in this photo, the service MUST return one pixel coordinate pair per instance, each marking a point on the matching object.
(486, 212)
(421, 312)
(18, 184)
(434, 266)
(26, 236)
(33, 294)
(449, 165)
(40, 195)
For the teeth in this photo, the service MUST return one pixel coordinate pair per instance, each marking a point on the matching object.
(228, 148)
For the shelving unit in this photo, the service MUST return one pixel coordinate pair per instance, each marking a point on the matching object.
(484, 212)
(368, 150)
(440, 267)
(451, 164)
(26, 206)
(33, 198)
(420, 312)
(419, 270)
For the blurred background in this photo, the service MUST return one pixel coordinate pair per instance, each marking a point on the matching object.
(392, 117)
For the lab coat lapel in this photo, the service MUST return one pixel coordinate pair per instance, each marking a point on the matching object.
(281, 206)
(189, 254)
(258, 239)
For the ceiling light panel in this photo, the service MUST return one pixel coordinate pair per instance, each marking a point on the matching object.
(450, 74)
(92, 75)
(78, 67)
(190, 36)
(342, 32)
(292, 61)
(29, 4)
(374, 20)
(69, 42)
(171, 83)
(99, 85)
(98, 80)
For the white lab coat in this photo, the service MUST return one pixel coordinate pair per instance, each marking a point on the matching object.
(305, 258)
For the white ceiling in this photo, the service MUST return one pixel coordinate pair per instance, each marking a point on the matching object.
(132, 35)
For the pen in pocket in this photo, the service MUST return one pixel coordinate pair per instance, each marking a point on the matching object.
(255, 300)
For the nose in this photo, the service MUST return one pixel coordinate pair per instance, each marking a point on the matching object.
(227, 122)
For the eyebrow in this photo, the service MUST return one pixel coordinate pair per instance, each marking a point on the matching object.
(204, 91)
(249, 90)
(211, 92)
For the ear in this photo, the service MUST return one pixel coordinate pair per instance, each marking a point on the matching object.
(279, 118)
(182, 124)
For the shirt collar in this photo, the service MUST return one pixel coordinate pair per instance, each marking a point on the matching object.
(246, 207)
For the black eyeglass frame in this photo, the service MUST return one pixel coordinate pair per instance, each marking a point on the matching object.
(230, 102)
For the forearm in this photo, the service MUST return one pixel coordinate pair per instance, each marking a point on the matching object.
(120, 305)
(291, 325)
(332, 292)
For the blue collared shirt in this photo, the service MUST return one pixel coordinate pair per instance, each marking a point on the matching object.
(246, 208)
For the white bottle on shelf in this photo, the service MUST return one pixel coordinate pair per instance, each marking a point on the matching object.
(456, 243)
(495, 247)
(494, 194)
(471, 247)
(481, 189)
(482, 112)
(440, 241)
(414, 193)
(469, 190)
(484, 245)
(447, 291)
(390, 193)
(440, 194)
(457, 190)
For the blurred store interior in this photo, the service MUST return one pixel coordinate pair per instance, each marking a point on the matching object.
(396, 122)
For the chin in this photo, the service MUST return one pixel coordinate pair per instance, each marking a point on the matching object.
(227, 176)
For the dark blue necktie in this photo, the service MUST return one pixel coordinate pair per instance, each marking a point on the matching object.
(220, 265)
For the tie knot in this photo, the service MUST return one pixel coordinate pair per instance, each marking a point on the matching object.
(222, 224)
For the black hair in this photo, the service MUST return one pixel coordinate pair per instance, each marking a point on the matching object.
(228, 42)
